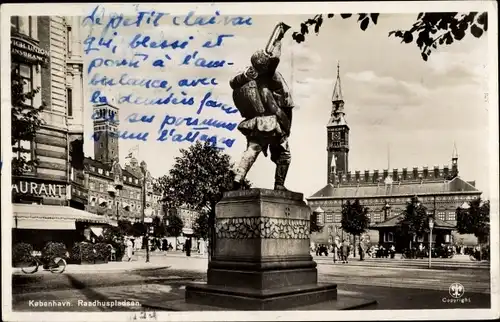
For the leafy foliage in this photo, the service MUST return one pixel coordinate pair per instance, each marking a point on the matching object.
(429, 31)
(26, 120)
(198, 179)
(138, 229)
(159, 228)
(200, 226)
(83, 252)
(475, 220)
(175, 225)
(442, 28)
(415, 221)
(115, 237)
(21, 253)
(54, 249)
(355, 218)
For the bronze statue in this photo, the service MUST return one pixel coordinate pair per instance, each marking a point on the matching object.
(263, 98)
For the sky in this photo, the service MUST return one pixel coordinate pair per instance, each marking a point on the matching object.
(394, 101)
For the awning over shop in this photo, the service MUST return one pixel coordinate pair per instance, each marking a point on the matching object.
(35, 216)
(97, 231)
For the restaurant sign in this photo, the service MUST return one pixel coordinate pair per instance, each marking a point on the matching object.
(28, 51)
(39, 189)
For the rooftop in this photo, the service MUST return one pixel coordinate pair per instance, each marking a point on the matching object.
(396, 188)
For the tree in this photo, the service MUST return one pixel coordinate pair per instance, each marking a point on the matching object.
(431, 29)
(200, 226)
(475, 220)
(138, 229)
(415, 220)
(126, 227)
(175, 225)
(26, 121)
(159, 229)
(355, 219)
(198, 179)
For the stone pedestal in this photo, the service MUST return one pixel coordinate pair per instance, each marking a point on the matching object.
(261, 259)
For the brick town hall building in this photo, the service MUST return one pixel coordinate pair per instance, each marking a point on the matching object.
(384, 192)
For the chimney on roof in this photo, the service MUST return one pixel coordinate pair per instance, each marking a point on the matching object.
(436, 172)
(415, 173)
(405, 173)
(446, 171)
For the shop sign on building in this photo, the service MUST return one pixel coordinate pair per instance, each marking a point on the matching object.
(39, 189)
(28, 51)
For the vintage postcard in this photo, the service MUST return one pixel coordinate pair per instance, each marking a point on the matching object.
(241, 161)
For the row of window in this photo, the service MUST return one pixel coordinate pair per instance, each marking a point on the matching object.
(377, 217)
(133, 206)
(394, 200)
(101, 171)
(125, 193)
(109, 203)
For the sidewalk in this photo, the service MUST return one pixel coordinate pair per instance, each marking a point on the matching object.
(110, 267)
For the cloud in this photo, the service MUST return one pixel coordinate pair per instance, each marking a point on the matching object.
(373, 89)
(458, 68)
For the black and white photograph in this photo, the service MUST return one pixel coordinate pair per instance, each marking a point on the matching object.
(249, 161)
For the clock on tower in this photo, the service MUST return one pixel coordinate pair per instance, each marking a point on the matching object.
(338, 136)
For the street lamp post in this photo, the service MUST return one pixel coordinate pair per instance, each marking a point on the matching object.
(113, 191)
(145, 174)
(431, 225)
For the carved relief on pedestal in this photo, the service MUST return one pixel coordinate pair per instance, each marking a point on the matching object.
(262, 227)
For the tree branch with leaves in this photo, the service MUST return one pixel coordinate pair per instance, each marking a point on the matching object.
(430, 30)
(355, 219)
(475, 220)
(415, 220)
(198, 179)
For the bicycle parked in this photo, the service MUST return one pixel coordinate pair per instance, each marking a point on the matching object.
(54, 265)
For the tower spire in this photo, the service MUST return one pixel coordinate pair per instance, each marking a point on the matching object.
(455, 151)
(389, 157)
(337, 90)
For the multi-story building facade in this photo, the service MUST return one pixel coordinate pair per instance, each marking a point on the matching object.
(113, 191)
(385, 192)
(47, 53)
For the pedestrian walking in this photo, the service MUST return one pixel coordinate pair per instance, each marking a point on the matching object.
(336, 250)
(187, 246)
(130, 248)
(202, 247)
(345, 251)
(364, 246)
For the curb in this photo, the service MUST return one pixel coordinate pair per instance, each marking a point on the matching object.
(63, 287)
(98, 270)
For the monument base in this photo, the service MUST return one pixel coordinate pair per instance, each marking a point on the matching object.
(344, 302)
(252, 299)
(261, 258)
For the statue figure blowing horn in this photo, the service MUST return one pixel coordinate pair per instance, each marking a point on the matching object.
(263, 98)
